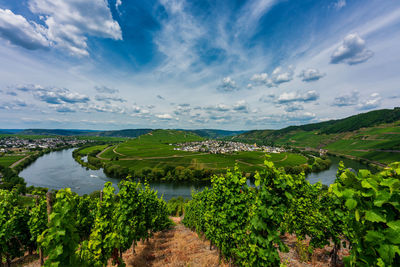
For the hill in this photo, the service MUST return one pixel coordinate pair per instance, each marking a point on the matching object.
(374, 136)
(213, 133)
(63, 132)
(129, 133)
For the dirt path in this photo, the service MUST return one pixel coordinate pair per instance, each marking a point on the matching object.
(177, 246)
(104, 150)
(19, 161)
(282, 159)
(114, 150)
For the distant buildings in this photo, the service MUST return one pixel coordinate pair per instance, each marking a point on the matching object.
(16, 143)
(223, 147)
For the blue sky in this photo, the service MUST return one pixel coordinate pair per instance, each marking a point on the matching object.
(261, 64)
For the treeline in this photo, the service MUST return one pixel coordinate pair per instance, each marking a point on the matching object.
(170, 173)
(69, 230)
(245, 224)
(315, 163)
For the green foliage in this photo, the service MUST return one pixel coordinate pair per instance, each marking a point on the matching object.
(222, 215)
(374, 215)
(176, 206)
(85, 215)
(14, 232)
(38, 218)
(60, 241)
(102, 241)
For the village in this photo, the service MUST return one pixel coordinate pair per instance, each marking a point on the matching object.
(15, 143)
(223, 147)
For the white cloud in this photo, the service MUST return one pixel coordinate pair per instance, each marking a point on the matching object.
(108, 99)
(241, 106)
(310, 74)
(352, 51)
(106, 90)
(68, 24)
(18, 31)
(164, 116)
(293, 107)
(278, 76)
(54, 95)
(372, 102)
(297, 97)
(261, 78)
(228, 85)
(347, 99)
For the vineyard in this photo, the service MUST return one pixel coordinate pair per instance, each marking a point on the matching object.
(246, 224)
(69, 230)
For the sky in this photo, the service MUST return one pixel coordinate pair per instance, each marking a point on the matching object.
(226, 64)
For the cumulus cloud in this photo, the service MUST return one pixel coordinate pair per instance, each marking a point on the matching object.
(106, 90)
(293, 107)
(297, 97)
(352, 51)
(310, 74)
(164, 116)
(282, 76)
(278, 76)
(182, 109)
(241, 106)
(13, 105)
(67, 25)
(108, 99)
(54, 95)
(228, 85)
(305, 116)
(261, 78)
(218, 107)
(267, 98)
(18, 31)
(372, 102)
(347, 99)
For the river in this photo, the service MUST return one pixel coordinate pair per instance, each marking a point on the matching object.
(58, 170)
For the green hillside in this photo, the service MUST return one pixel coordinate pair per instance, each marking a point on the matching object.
(153, 155)
(373, 136)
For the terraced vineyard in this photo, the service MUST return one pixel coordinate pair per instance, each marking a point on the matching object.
(155, 150)
(376, 141)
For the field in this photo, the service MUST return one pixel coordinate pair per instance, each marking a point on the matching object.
(156, 150)
(379, 143)
(7, 161)
(89, 150)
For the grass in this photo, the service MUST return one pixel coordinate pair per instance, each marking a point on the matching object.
(365, 143)
(88, 150)
(7, 161)
(156, 150)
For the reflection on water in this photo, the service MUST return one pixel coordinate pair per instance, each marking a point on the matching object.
(328, 176)
(58, 170)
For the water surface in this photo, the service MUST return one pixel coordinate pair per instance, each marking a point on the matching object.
(58, 170)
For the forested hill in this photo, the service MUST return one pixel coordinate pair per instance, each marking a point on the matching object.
(206, 133)
(372, 136)
(348, 124)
